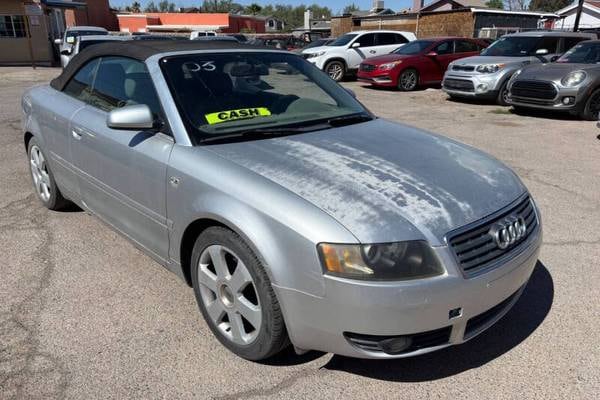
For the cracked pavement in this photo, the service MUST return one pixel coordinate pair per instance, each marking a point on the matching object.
(83, 314)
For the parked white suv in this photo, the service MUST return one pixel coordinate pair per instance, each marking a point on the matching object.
(345, 54)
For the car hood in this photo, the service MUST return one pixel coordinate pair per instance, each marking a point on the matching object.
(316, 49)
(383, 181)
(386, 58)
(553, 71)
(478, 60)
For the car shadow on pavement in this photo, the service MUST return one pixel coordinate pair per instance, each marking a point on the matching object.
(520, 322)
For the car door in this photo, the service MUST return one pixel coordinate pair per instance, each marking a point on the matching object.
(56, 121)
(437, 62)
(122, 173)
(366, 48)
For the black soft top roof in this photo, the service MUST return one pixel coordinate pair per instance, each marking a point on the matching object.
(141, 50)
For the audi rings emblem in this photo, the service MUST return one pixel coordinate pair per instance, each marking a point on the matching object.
(508, 231)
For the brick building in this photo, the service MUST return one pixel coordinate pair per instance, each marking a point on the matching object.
(187, 22)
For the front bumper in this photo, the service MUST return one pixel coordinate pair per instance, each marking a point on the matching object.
(318, 62)
(473, 85)
(377, 79)
(423, 308)
(576, 96)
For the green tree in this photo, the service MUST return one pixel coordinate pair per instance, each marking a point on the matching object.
(151, 7)
(253, 9)
(499, 4)
(548, 5)
(349, 9)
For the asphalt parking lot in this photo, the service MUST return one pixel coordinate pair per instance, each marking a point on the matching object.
(84, 315)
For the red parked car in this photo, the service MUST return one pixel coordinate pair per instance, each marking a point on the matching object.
(418, 63)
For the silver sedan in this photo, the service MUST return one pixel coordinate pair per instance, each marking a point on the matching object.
(297, 216)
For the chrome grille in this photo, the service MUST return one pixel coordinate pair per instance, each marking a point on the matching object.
(475, 248)
(458, 84)
(367, 67)
(533, 90)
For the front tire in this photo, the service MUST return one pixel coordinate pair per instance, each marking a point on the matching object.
(235, 295)
(336, 70)
(408, 80)
(502, 98)
(44, 184)
(591, 110)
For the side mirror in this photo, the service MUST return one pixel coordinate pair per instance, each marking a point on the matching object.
(350, 92)
(541, 52)
(136, 117)
(431, 54)
(70, 39)
(355, 45)
(66, 52)
(58, 41)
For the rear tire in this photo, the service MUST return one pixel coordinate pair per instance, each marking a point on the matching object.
(336, 70)
(408, 80)
(44, 184)
(235, 295)
(591, 110)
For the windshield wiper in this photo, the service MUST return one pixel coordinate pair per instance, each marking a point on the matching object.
(264, 132)
(349, 119)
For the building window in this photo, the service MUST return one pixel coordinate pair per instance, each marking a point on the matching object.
(12, 26)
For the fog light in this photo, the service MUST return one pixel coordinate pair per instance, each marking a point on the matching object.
(396, 345)
(482, 87)
(568, 100)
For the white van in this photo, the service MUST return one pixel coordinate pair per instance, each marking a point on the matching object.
(197, 34)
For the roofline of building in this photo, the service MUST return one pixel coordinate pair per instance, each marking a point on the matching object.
(495, 11)
(574, 5)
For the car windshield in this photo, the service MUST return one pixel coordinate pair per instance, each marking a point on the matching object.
(218, 94)
(75, 34)
(584, 53)
(343, 40)
(512, 46)
(414, 47)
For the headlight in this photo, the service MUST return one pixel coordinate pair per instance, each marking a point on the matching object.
(380, 262)
(489, 68)
(390, 65)
(314, 55)
(573, 78)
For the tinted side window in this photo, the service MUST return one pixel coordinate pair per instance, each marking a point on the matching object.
(570, 42)
(123, 81)
(385, 39)
(548, 43)
(444, 48)
(80, 85)
(367, 40)
(400, 39)
(464, 46)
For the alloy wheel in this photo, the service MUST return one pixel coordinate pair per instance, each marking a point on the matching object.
(229, 295)
(408, 80)
(39, 172)
(335, 71)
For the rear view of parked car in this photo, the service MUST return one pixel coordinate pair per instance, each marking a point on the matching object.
(418, 63)
(571, 84)
(486, 76)
(65, 45)
(345, 54)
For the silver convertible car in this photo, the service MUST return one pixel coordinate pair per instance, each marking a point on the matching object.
(296, 215)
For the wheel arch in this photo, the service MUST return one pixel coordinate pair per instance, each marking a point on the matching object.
(27, 136)
(336, 58)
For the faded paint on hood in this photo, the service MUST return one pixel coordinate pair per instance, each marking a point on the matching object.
(383, 181)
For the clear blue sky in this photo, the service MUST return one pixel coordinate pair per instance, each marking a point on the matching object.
(335, 5)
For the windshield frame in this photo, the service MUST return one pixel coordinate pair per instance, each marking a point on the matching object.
(176, 115)
(530, 51)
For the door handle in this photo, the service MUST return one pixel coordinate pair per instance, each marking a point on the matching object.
(76, 134)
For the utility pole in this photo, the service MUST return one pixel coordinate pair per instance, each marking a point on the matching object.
(578, 15)
(28, 34)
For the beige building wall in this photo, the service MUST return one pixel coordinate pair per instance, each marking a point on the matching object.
(16, 50)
